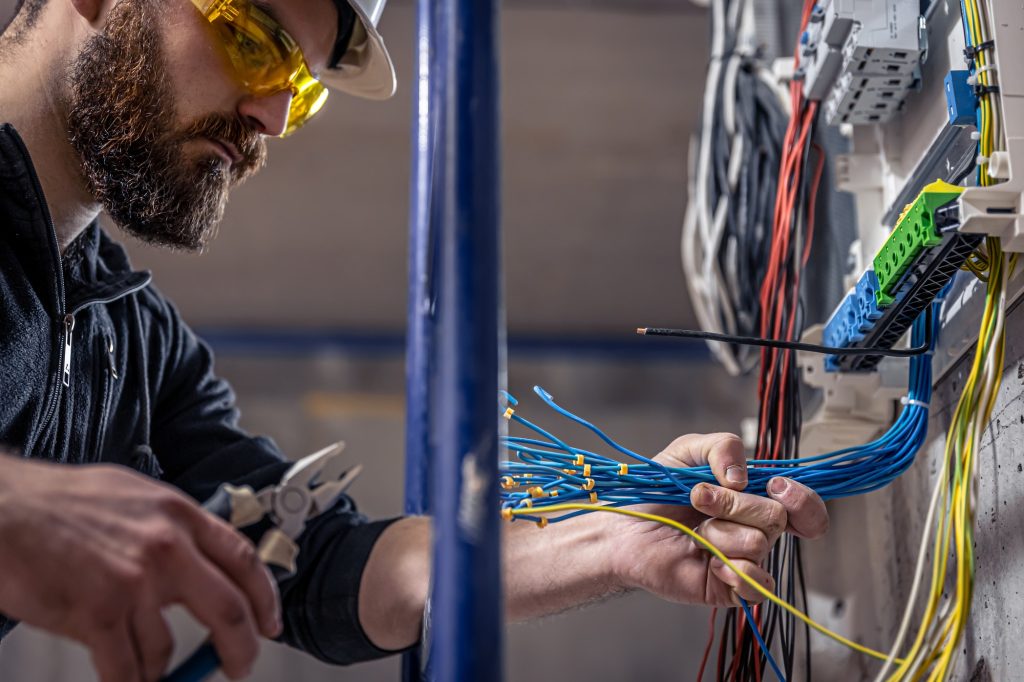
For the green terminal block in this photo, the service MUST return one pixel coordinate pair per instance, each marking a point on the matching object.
(915, 231)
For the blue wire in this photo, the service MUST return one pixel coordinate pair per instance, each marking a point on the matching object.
(545, 471)
(760, 640)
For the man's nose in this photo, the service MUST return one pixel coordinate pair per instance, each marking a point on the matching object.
(267, 114)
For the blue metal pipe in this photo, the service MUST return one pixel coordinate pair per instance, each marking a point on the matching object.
(423, 210)
(466, 624)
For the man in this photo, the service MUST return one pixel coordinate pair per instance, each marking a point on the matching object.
(152, 110)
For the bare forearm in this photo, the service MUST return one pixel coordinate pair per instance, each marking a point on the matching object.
(546, 571)
(562, 566)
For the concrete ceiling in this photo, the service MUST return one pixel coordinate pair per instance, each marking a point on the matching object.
(599, 100)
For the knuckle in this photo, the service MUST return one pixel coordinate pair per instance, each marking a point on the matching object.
(160, 542)
(245, 554)
(172, 505)
(127, 580)
(232, 612)
(730, 502)
(105, 618)
(776, 519)
(755, 543)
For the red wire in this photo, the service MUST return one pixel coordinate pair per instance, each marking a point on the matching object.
(779, 292)
(707, 648)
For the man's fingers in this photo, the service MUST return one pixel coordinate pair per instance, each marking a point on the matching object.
(736, 540)
(114, 656)
(723, 452)
(808, 517)
(767, 515)
(237, 557)
(740, 586)
(153, 642)
(219, 605)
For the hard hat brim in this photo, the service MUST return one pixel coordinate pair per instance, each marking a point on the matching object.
(366, 69)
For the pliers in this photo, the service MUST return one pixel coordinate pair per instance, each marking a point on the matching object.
(310, 487)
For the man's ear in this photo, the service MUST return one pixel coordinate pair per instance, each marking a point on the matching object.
(93, 11)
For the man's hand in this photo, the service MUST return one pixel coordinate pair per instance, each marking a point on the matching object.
(94, 553)
(661, 560)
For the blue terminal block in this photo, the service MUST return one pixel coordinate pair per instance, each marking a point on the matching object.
(853, 319)
(961, 102)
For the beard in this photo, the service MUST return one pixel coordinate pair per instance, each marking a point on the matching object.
(122, 123)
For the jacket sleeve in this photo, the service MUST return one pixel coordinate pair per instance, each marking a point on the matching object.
(197, 441)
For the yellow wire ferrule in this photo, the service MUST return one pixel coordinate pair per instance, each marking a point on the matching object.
(589, 485)
(579, 460)
(537, 491)
(507, 482)
(593, 498)
(586, 470)
(508, 413)
(623, 469)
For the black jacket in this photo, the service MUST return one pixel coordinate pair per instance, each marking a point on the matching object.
(97, 366)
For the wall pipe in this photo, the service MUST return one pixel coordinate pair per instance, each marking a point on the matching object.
(466, 625)
(455, 326)
(419, 342)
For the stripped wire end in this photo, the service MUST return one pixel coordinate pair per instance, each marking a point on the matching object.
(641, 330)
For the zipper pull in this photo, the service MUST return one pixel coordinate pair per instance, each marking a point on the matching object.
(110, 358)
(69, 327)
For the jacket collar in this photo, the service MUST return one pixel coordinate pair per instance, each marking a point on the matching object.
(94, 267)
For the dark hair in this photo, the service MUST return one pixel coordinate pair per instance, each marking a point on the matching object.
(25, 16)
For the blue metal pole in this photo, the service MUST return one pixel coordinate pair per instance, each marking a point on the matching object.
(424, 208)
(466, 624)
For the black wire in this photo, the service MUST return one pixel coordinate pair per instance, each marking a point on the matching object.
(792, 345)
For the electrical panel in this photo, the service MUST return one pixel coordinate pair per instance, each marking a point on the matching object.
(861, 58)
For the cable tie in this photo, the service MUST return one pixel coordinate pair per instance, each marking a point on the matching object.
(981, 160)
(971, 51)
(907, 400)
(623, 469)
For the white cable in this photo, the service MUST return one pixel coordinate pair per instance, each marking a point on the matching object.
(922, 552)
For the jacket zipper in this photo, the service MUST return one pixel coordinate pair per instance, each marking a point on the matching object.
(111, 364)
(109, 379)
(69, 328)
(62, 348)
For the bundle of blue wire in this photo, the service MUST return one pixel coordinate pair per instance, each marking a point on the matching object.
(547, 470)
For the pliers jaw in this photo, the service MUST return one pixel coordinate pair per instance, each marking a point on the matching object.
(310, 487)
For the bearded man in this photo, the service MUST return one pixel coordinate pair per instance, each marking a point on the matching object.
(153, 110)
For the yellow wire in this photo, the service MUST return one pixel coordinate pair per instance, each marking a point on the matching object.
(767, 594)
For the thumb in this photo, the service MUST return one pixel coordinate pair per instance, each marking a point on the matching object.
(723, 452)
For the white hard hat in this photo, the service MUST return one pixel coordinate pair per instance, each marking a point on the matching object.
(365, 69)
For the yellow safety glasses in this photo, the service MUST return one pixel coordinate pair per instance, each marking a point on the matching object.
(266, 59)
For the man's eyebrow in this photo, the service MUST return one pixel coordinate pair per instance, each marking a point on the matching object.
(267, 9)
